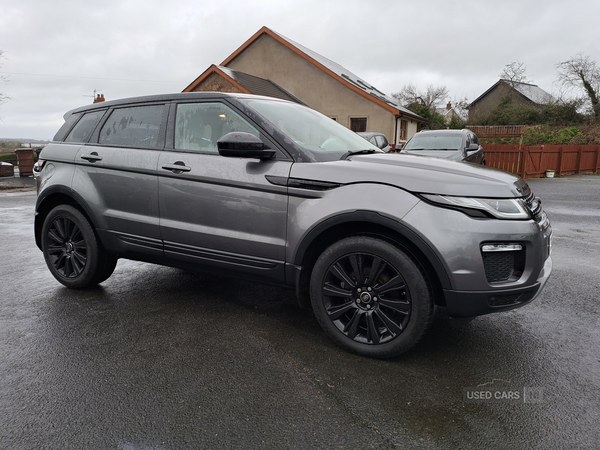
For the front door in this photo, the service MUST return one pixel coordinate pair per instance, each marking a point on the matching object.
(221, 213)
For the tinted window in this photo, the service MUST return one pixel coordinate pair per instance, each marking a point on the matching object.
(84, 128)
(134, 127)
(381, 141)
(62, 132)
(199, 126)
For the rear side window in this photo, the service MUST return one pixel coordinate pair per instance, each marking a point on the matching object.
(84, 128)
(381, 141)
(62, 132)
(199, 126)
(138, 127)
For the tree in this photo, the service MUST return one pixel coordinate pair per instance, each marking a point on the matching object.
(435, 121)
(582, 72)
(515, 73)
(424, 103)
(430, 98)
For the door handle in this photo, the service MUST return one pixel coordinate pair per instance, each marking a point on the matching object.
(92, 157)
(177, 167)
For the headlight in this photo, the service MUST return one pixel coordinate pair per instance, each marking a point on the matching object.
(502, 208)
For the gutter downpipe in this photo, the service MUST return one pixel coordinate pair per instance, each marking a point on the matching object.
(396, 130)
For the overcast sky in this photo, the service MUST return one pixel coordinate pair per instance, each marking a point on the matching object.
(56, 53)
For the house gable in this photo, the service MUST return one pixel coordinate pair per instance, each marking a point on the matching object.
(520, 93)
(268, 60)
(334, 70)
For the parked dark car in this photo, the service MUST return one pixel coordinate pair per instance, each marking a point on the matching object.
(455, 145)
(273, 191)
(377, 139)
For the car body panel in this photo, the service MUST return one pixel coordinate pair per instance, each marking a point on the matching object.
(122, 188)
(417, 174)
(224, 211)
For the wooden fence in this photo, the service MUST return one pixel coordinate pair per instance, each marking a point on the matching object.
(533, 162)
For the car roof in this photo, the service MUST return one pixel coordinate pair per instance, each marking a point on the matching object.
(368, 134)
(463, 131)
(167, 98)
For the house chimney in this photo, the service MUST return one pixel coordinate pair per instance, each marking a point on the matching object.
(449, 106)
(99, 98)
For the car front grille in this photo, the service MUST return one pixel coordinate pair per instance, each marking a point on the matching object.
(534, 205)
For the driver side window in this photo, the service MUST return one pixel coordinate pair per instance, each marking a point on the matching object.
(198, 126)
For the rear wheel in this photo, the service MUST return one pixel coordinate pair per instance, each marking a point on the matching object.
(72, 251)
(370, 297)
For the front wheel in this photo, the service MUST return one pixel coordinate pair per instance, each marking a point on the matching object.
(72, 251)
(370, 297)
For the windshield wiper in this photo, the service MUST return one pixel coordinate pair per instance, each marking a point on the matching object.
(356, 152)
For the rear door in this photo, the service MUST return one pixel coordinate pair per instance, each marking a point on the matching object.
(221, 213)
(118, 175)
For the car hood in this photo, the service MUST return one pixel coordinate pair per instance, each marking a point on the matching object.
(416, 174)
(453, 155)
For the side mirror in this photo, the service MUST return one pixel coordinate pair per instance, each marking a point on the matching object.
(473, 148)
(243, 145)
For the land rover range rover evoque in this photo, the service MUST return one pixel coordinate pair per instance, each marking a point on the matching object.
(275, 192)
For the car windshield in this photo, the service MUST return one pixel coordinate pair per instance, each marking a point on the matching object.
(326, 139)
(434, 142)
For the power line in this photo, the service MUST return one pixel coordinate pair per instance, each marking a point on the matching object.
(89, 78)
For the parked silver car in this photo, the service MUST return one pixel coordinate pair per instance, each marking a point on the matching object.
(273, 191)
(377, 139)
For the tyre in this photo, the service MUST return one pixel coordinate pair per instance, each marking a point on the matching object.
(72, 250)
(370, 297)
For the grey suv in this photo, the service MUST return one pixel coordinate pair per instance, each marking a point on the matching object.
(275, 192)
(454, 145)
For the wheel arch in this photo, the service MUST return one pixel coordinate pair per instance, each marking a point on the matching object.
(368, 223)
(49, 200)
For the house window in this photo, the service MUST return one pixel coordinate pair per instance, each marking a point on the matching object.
(403, 127)
(358, 124)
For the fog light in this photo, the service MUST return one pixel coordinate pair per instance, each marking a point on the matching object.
(501, 248)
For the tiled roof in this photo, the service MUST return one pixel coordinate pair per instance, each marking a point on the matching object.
(259, 86)
(530, 91)
(533, 92)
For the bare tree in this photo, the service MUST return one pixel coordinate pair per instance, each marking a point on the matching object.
(461, 107)
(582, 72)
(515, 73)
(430, 97)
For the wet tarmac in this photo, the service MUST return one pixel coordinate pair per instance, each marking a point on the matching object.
(158, 358)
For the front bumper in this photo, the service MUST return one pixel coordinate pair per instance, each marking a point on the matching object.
(465, 304)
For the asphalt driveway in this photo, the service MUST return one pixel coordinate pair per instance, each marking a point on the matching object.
(159, 358)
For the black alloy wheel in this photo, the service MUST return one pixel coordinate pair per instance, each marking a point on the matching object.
(370, 297)
(72, 250)
(67, 249)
